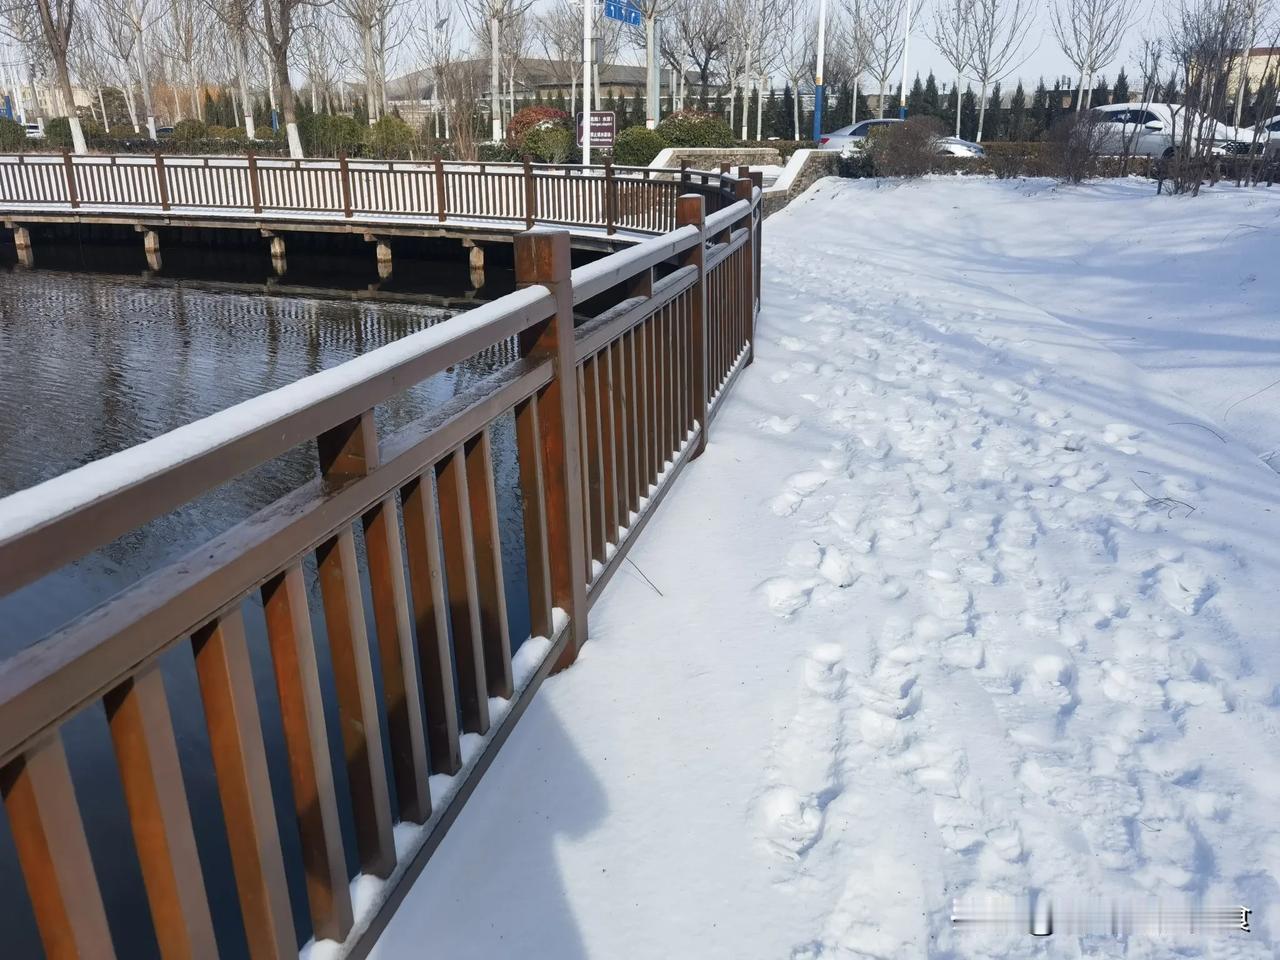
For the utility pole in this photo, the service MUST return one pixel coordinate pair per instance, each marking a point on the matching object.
(587, 100)
(817, 80)
(906, 44)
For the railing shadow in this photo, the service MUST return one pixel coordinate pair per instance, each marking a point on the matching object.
(500, 856)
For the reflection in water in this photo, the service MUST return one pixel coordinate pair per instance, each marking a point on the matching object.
(90, 365)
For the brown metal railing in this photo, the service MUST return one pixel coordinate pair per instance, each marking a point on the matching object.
(622, 364)
(611, 198)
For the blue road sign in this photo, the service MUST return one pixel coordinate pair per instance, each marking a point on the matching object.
(623, 10)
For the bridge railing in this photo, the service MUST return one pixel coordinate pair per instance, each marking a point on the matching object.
(609, 197)
(622, 366)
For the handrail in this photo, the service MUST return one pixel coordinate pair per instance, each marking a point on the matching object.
(623, 201)
(112, 495)
(610, 401)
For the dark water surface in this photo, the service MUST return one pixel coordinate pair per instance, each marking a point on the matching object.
(91, 364)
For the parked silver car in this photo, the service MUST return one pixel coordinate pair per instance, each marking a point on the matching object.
(854, 137)
(1152, 129)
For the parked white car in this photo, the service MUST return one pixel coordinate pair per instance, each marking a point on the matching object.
(1152, 129)
(854, 137)
(35, 131)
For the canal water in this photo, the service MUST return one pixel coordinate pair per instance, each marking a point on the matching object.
(92, 363)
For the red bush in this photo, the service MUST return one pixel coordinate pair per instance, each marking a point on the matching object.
(531, 117)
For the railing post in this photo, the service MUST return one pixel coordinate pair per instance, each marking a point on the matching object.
(684, 171)
(610, 199)
(162, 181)
(757, 181)
(744, 190)
(255, 188)
(440, 195)
(67, 165)
(345, 172)
(543, 257)
(530, 197)
(691, 211)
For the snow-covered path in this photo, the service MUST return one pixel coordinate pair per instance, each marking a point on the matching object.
(953, 603)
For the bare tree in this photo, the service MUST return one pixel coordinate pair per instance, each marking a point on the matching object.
(1090, 33)
(999, 33)
(953, 35)
(886, 41)
(853, 44)
(487, 18)
(651, 11)
(369, 20)
(53, 21)
(278, 25)
(559, 31)
(434, 43)
(237, 16)
(700, 29)
(799, 49)
(1204, 38)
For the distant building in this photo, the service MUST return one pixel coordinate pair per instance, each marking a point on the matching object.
(414, 95)
(1261, 64)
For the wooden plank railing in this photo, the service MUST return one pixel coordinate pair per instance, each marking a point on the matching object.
(634, 199)
(622, 365)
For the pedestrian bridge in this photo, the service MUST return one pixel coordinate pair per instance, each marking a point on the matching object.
(391, 552)
(603, 207)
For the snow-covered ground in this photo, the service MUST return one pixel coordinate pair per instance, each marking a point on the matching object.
(969, 593)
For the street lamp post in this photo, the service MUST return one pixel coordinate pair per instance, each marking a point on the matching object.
(587, 91)
(906, 45)
(817, 80)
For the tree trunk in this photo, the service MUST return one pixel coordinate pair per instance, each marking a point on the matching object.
(746, 90)
(883, 94)
(286, 100)
(650, 53)
(982, 111)
(242, 72)
(495, 81)
(106, 124)
(148, 109)
(370, 88)
(795, 106)
(957, 103)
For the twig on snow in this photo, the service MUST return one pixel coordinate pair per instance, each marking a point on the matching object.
(1192, 423)
(646, 579)
(1170, 503)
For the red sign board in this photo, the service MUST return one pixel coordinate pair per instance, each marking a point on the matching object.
(604, 126)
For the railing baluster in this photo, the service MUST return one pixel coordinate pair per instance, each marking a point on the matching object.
(147, 754)
(595, 461)
(395, 648)
(460, 583)
(284, 602)
(691, 211)
(533, 502)
(542, 257)
(430, 612)
(44, 819)
(235, 738)
(490, 596)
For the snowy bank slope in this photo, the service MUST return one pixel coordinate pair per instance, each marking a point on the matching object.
(933, 619)
(1186, 288)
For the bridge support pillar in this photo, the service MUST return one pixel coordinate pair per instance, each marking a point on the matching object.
(22, 241)
(277, 247)
(475, 259)
(384, 259)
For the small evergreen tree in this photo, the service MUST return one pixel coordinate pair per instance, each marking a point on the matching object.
(1017, 124)
(929, 103)
(950, 108)
(1120, 92)
(915, 99)
(1039, 120)
(968, 115)
(993, 122)
(1101, 93)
